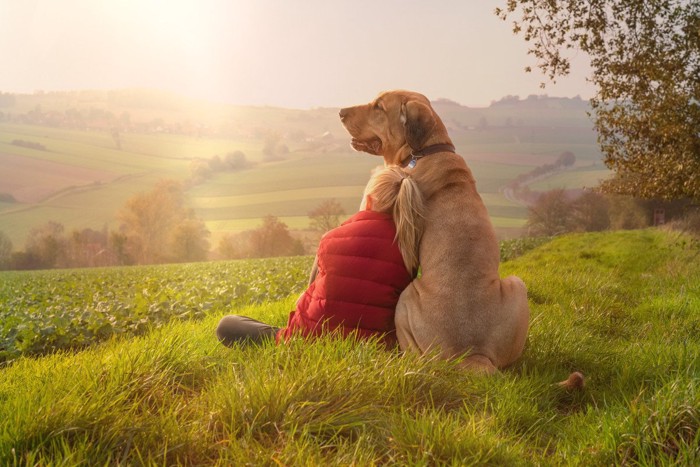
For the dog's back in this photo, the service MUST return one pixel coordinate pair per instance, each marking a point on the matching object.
(459, 288)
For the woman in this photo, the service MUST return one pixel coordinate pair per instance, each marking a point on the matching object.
(360, 270)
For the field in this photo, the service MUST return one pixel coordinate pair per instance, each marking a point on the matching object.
(81, 178)
(621, 307)
(47, 311)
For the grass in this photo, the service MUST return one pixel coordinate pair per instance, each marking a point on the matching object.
(620, 307)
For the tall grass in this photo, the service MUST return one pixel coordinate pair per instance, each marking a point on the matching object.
(623, 308)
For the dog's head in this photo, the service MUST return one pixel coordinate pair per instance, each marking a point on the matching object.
(393, 125)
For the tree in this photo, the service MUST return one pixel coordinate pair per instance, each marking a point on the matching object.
(190, 241)
(47, 245)
(87, 248)
(273, 239)
(272, 148)
(156, 222)
(118, 246)
(200, 170)
(626, 213)
(326, 216)
(234, 246)
(148, 218)
(5, 250)
(590, 212)
(21, 260)
(550, 215)
(236, 160)
(645, 58)
(566, 159)
(116, 136)
(216, 164)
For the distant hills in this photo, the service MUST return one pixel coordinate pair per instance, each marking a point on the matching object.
(152, 110)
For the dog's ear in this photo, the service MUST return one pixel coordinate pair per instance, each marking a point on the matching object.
(418, 122)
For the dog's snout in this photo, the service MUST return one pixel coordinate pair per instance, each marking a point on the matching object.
(343, 113)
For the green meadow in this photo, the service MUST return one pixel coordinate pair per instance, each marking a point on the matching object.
(620, 307)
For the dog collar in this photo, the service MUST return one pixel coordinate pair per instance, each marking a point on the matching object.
(426, 151)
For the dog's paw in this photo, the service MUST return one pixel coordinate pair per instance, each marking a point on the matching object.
(575, 381)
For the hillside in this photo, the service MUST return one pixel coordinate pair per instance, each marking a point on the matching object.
(77, 157)
(622, 307)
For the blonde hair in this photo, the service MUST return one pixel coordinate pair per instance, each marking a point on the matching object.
(395, 192)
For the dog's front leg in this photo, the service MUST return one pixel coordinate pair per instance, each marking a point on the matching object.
(402, 321)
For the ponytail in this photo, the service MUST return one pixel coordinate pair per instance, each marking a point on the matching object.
(395, 192)
(409, 214)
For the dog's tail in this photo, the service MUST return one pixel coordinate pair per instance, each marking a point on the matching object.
(575, 381)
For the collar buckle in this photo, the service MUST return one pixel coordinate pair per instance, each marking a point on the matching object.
(427, 151)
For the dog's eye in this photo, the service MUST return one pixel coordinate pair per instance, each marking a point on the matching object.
(378, 106)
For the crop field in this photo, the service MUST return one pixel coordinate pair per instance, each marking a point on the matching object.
(81, 179)
(47, 311)
(122, 367)
(31, 180)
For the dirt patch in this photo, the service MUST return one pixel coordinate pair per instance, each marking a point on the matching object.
(31, 180)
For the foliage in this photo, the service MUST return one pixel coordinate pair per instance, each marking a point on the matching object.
(626, 213)
(202, 169)
(50, 310)
(91, 248)
(48, 247)
(550, 214)
(690, 224)
(159, 227)
(326, 216)
(557, 211)
(645, 57)
(5, 250)
(236, 160)
(620, 307)
(273, 239)
(47, 244)
(234, 246)
(189, 241)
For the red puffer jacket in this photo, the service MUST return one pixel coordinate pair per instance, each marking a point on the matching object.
(360, 277)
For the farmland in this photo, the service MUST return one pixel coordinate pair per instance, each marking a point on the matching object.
(52, 310)
(48, 311)
(85, 173)
(621, 307)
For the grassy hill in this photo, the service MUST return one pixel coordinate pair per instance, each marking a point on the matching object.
(79, 172)
(621, 307)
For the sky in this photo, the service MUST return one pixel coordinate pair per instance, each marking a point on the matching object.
(282, 53)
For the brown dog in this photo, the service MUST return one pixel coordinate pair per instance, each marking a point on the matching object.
(459, 305)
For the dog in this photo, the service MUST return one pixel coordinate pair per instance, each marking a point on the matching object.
(459, 306)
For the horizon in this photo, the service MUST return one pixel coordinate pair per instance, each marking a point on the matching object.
(198, 100)
(264, 54)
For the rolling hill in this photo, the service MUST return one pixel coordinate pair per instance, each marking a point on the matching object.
(76, 157)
